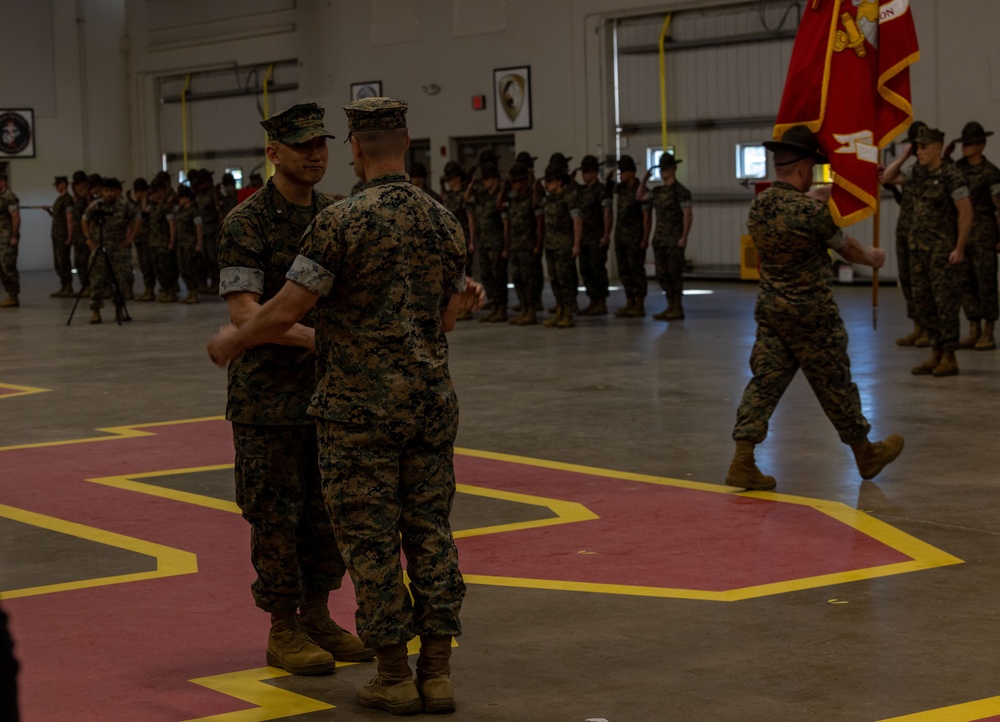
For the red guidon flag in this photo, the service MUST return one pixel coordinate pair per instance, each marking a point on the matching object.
(849, 82)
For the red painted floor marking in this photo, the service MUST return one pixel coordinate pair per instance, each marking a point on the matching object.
(662, 536)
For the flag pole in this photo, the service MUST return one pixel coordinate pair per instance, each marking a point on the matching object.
(876, 239)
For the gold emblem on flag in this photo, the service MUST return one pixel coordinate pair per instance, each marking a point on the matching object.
(858, 28)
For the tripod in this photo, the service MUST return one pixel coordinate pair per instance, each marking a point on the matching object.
(121, 312)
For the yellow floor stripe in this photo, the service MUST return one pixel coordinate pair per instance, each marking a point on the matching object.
(132, 431)
(271, 702)
(169, 562)
(968, 712)
(20, 390)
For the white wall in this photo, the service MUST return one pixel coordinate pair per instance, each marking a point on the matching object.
(96, 105)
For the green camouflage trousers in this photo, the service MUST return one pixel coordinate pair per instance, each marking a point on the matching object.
(165, 267)
(278, 489)
(9, 277)
(562, 275)
(632, 267)
(527, 277)
(493, 273)
(594, 268)
(903, 273)
(61, 261)
(816, 342)
(190, 262)
(669, 259)
(979, 292)
(100, 278)
(147, 266)
(937, 291)
(387, 485)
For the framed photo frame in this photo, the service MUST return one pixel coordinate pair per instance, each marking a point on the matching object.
(17, 133)
(512, 98)
(368, 89)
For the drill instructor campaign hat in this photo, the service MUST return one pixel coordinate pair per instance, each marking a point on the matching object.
(797, 143)
(974, 133)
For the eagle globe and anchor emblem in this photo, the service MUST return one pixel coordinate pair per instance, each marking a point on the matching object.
(15, 133)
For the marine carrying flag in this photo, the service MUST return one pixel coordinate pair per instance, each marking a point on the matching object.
(849, 82)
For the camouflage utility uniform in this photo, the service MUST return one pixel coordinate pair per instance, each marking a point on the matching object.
(798, 322)
(669, 202)
(208, 209)
(489, 242)
(593, 201)
(143, 250)
(109, 224)
(903, 227)
(454, 201)
(60, 233)
(9, 276)
(525, 264)
(161, 217)
(979, 297)
(278, 487)
(386, 262)
(558, 243)
(81, 251)
(629, 252)
(188, 218)
(937, 284)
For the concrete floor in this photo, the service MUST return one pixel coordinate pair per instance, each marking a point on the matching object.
(637, 396)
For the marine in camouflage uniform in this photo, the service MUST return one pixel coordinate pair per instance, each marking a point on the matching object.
(979, 297)
(190, 242)
(798, 322)
(559, 244)
(162, 241)
(906, 197)
(81, 199)
(111, 223)
(592, 229)
(10, 238)
(672, 204)
(278, 485)
(62, 217)
(208, 209)
(453, 198)
(143, 251)
(386, 409)
(486, 235)
(630, 243)
(942, 218)
(521, 219)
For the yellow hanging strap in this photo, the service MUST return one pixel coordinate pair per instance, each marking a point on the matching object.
(268, 168)
(663, 81)
(184, 123)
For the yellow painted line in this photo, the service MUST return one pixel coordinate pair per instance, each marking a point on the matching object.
(923, 556)
(566, 511)
(132, 431)
(169, 562)
(968, 712)
(271, 702)
(20, 390)
(128, 483)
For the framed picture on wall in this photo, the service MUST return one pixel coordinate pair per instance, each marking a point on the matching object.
(17, 133)
(370, 89)
(512, 98)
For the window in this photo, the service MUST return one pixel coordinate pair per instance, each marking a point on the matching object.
(237, 176)
(751, 161)
(653, 160)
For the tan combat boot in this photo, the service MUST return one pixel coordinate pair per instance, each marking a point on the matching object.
(986, 342)
(948, 365)
(530, 317)
(191, 297)
(923, 340)
(675, 312)
(974, 333)
(62, 292)
(392, 688)
(662, 315)
(639, 308)
(168, 296)
(10, 302)
(290, 648)
(553, 320)
(146, 296)
(743, 471)
(95, 316)
(585, 311)
(433, 675)
(623, 312)
(600, 307)
(566, 321)
(314, 614)
(927, 367)
(910, 338)
(500, 315)
(872, 458)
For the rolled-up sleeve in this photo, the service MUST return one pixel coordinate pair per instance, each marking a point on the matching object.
(310, 275)
(239, 279)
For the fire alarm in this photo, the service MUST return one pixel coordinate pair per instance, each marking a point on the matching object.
(479, 102)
